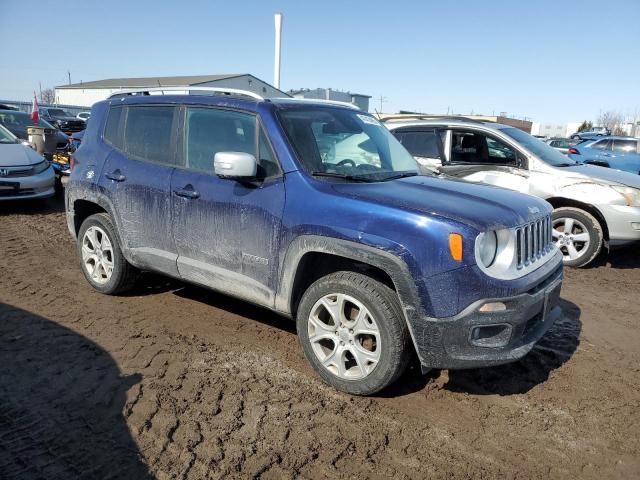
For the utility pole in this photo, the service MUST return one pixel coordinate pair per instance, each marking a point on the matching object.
(40, 84)
(382, 100)
(69, 75)
(277, 50)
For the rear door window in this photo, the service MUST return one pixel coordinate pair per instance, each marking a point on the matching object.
(424, 144)
(148, 133)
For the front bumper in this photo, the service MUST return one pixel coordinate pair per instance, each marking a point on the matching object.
(41, 185)
(623, 223)
(476, 338)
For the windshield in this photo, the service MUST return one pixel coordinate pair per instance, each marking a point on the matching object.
(540, 149)
(11, 119)
(347, 144)
(58, 112)
(6, 136)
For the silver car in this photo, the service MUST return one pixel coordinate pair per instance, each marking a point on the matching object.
(593, 206)
(23, 172)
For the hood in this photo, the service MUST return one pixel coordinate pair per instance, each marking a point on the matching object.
(479, 206)
(18, 155)
(604, 175)
(65, 119)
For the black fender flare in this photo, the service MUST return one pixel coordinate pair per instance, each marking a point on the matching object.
(387, 261)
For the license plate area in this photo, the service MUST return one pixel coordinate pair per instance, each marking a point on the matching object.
(9, 188)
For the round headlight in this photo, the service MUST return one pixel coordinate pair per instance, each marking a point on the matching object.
(487, 245)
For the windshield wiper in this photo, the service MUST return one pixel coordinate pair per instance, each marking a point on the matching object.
(353, 178)
(399, 175)
(566, 164)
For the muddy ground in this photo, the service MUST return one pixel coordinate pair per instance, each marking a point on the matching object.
(174, 381)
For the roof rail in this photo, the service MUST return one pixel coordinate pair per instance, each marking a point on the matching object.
(400, 117)
(319, 100)
(186, 88)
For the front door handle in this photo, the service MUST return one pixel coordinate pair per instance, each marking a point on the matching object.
(116, 176)
(187, 192)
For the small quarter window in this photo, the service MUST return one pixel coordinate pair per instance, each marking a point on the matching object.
(112, 128)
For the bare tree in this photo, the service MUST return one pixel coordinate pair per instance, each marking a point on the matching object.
(48, 95)
(611, 119)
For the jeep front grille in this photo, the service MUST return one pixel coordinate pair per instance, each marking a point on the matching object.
(533, 241)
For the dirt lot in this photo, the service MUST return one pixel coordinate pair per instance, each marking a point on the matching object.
(175, 381)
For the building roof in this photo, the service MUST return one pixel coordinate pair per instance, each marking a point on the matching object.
(152, 81)
(306, 90)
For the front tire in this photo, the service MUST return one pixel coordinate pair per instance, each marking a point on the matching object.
(352, 331)
(101, 258)
(577, 234)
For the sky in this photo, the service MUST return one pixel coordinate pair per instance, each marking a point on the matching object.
(549, 61)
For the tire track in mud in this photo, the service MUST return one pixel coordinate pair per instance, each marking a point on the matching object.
(224, 391)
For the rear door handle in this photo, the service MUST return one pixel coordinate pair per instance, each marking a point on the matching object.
(187, 192)
(116, 176)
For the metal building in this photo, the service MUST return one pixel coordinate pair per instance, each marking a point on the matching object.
(87, 93)
(358, 99)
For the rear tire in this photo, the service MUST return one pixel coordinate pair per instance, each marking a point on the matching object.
(578, 235)
(101, 258)
(352, 331)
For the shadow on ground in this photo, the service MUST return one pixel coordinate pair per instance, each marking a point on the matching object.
(61, 404)
(622, 257)
(32, 207)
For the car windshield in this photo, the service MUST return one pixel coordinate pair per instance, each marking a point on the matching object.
(20, 120)
(540, 149)
(6, 136)
(58, 112)
(348, 144)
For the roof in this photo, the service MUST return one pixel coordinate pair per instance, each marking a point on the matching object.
(179, 81)
(307, 90)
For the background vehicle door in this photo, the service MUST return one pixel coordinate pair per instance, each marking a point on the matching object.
(624, 155)
(227, 232)
(599, 151)
(478, 157)
(136, 177)
(425, 144)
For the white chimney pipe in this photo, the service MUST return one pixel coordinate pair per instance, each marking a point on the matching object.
(276, 64)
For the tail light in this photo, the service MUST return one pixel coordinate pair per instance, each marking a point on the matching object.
(574, 151)
(72, 162)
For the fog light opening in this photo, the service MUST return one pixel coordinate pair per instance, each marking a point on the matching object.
(491, 335)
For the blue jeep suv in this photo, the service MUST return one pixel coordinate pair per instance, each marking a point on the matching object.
(314, 210)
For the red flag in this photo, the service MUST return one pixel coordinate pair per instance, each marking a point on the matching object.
(35, 114)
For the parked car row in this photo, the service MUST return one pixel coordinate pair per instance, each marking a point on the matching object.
(593, 206)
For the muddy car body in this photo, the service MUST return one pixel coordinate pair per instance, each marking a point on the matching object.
(232, 192)
(594, 207)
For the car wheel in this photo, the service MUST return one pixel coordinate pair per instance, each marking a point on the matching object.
(577, 234)
(101, 258)
(352, 331)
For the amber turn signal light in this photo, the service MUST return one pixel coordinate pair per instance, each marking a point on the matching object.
(455, 246)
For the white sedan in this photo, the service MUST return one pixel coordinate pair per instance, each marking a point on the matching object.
(23, 172)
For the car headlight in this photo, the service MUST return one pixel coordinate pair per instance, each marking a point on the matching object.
(631, 195)
(40, 167)
(486, 248)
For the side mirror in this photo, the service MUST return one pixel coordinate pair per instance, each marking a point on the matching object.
(235, 165)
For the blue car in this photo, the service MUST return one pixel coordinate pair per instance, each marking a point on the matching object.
(314, 210)
(620, 153)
